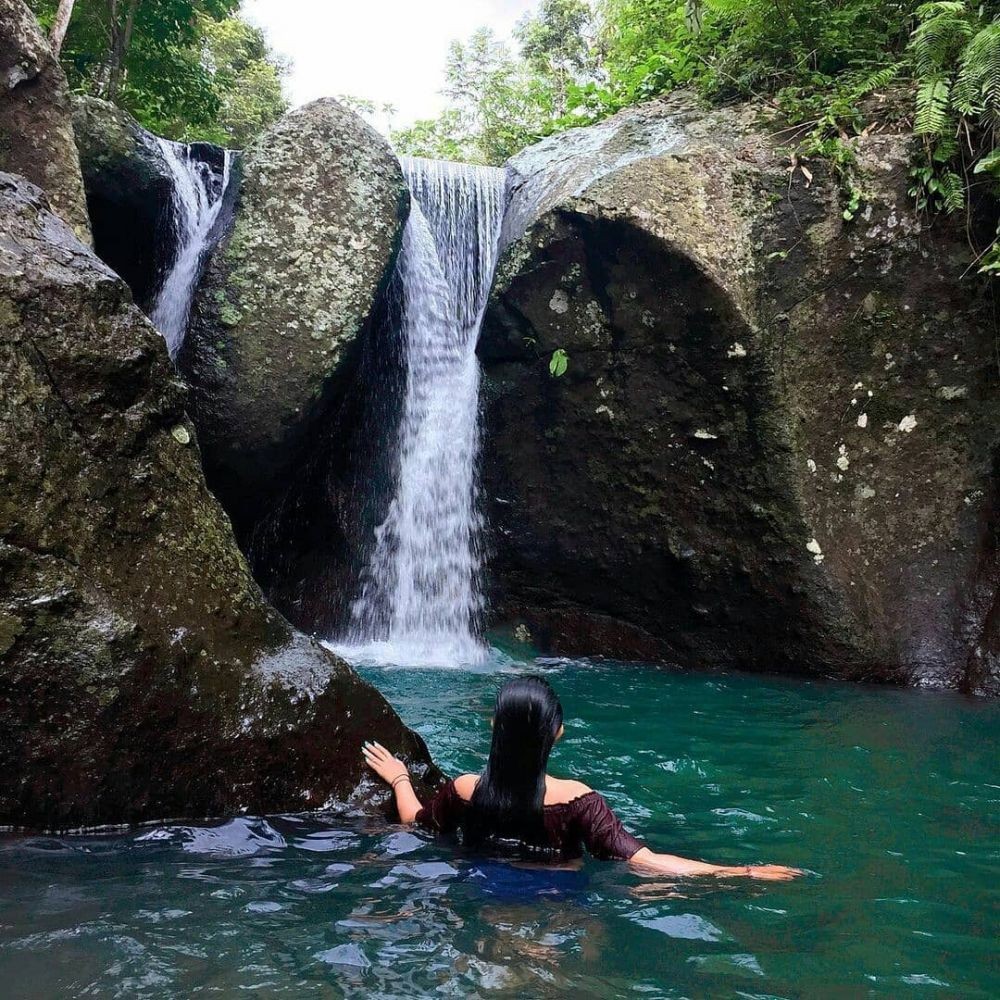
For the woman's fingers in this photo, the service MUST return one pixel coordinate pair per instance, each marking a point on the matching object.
(775, 873)
(380, 760)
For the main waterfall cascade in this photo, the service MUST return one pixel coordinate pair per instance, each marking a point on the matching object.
(196, 201)
(420, 599)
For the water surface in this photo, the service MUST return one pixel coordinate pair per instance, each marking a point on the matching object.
(891, 798)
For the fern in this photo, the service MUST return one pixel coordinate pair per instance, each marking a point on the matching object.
(878, 80)
(944, 28)
(956, 58)
(934, 110)
(950, 191)
(977, 90)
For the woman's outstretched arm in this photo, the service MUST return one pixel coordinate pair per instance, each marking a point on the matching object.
(606, 837)
(649, 862)
(392, 770)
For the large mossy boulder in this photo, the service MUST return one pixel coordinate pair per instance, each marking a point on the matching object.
(287, 295)
(36, 131)
(129, 191)
(774, 444)
(142, 675)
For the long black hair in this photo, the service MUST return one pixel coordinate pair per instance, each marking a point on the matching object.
(506, 806)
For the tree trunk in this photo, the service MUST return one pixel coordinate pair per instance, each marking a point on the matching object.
(694, 12)
(121, 38)
(59, 25)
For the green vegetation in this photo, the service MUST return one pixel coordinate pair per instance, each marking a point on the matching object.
(576, 64)
(187, 69)
(823, 71)
(558, 363)
(956, 57)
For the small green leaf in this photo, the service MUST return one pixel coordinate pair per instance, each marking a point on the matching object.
(559, 363)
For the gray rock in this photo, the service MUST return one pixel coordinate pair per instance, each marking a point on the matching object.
(772, 448)
(36, 133)
(288, 292)
(129, 189)
(142, 675)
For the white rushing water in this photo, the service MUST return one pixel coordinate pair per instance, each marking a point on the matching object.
(420, 599)
(195, 203)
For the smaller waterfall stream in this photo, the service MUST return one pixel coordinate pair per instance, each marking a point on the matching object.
(196, 201)
(419, 600)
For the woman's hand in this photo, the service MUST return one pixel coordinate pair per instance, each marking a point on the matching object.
(774, 873)
(387, 767)
(393, 770)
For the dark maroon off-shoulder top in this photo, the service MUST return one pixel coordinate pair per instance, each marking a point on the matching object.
(586, 821)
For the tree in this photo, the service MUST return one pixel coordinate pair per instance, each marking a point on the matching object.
(501, 100)
(59, 25)
(554, 44)
(435, 138)
(245, 76)
(185, 68)
(368, 109)
(500, 105)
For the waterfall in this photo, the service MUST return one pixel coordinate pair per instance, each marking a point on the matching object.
(419, 600)
(195, 203)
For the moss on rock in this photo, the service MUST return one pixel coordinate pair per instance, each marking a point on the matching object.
(289, 291)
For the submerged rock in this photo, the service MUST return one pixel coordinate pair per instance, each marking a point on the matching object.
(772, 445)
(36, 133)
(287, 294)
(142, 675)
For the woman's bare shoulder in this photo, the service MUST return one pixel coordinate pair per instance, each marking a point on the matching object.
(465, 785)
(559, 791)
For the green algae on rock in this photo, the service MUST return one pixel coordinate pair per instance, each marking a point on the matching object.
(142, 674)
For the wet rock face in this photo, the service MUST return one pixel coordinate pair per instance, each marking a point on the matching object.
(142, 675)
(129, 191)
(636, 498)
(36, 133)
(773, 446)
(287, 295)
(893, 390)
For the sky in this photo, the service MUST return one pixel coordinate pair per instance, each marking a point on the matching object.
(389, 51)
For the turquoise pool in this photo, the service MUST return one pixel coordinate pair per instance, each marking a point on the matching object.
(890, 798)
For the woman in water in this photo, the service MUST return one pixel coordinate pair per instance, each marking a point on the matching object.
(515, 806)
